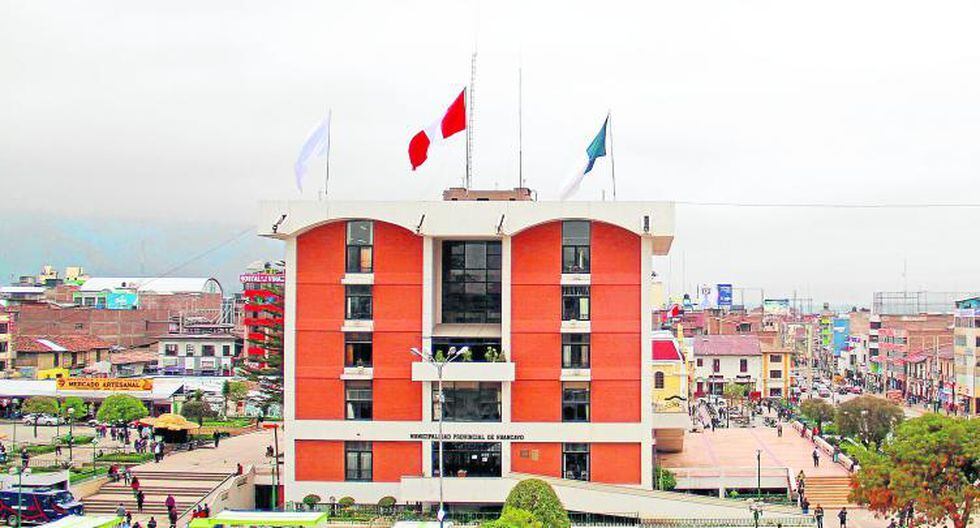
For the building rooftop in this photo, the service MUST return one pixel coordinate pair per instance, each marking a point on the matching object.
(134, 356)
(67, 343)
(158, 285)
(666, 350)
(465, 218)
(727, 345)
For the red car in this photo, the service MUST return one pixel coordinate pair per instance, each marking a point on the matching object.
(856, 390)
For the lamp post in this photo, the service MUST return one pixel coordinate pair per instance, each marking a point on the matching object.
(439, 364)
(71, 436)
(758, 472)
(20, 488)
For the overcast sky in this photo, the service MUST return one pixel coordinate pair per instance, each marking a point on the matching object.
(186, 113)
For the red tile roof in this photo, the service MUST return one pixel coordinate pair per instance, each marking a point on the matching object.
(70, 343)
(133, 356)
(727, 345)
(665, 350)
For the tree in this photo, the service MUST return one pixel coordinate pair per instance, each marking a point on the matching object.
(233, 391)
(512, 517)
(266, 369)
(931, 463)
(666, 481)
(817, 410)
(73, 402)
(537, 497)
(121, 408)
(312, 500)
(197, 410)
(41, 405)
(868, 418)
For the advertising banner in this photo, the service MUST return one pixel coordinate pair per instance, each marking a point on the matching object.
(105, 384)
(725, 296)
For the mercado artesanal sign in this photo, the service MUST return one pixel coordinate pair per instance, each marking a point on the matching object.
(105, 384)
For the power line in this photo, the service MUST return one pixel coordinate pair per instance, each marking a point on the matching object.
(963, 205)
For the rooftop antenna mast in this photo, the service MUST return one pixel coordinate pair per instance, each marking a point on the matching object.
(520, 128)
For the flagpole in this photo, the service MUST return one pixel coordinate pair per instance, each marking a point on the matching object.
(612, 155)
(326, 178)
(470, 107)
(520, 128)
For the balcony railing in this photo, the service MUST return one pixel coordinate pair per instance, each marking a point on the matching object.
(464, 371)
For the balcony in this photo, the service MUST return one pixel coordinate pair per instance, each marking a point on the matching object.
(464, 371)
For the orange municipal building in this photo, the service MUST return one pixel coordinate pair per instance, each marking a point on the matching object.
(553, 301)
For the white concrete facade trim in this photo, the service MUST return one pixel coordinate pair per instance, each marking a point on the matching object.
(576, 327)
(464, 371)
(576, 374)
(357, 279)
(401, 431)
(576, 279)
(357, 373)
(357, 325)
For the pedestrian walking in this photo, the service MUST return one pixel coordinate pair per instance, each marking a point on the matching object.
(170, 503)
(217, 438)
(121, 511)
(152, 523)
(779, 430)
(816, 457)
(135, 485)
(172, 516)
(842, 517)
(140, 498)
(806, 506)
(818, 515)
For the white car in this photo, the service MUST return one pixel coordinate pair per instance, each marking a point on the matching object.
(41, 419)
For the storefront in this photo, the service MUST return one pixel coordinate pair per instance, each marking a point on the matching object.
(468, 459)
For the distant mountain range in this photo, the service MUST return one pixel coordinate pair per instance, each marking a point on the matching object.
(125, 247)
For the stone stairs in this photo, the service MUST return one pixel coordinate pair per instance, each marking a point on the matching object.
(829, 492)
(186, 487)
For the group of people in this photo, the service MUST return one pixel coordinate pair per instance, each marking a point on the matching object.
(818, 512)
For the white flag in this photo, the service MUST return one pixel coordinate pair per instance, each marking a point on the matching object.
(317, 145)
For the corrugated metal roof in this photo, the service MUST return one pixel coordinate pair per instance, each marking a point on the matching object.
(162, 285)
(727, 345)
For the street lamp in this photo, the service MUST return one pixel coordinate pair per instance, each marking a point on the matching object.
(71, 436)
(758, 472)
(20, 472)
(439, 363)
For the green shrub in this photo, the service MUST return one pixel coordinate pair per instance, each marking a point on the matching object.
(387, 501)
(665, 479)
(537, 497)
(346, 502)
(311, 500)
(514, 518)
(126, 457)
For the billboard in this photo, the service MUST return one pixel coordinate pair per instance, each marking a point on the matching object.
(725, 296)
(121, 300)
(776, 306)
(105, 384)
(263, 278)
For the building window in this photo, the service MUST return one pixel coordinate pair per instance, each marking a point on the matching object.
(207, 350)
(575, 242)
(226, 350)
(360, 246)
(359, 300)
(700, 362)
(575, 351)
(3, 347)
(575, 461)
(775, 374)
(470, 281)
(574, 303)
(575, 401)
(358, 350)
(359, 400)
(79, 326)
(715, 365)
(743, 365)
(55, 361)
(170, 349)
(3, 328)
(358, 461)
(468, 401)
(189, 349)
(775, 393)
(658, 380)
(467, 459)
(775, 358)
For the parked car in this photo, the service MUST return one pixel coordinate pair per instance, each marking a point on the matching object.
(856, 390)
(37, 505)
(41, 419)
(824, 392)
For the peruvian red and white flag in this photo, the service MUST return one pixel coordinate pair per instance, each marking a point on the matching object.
(452, 122)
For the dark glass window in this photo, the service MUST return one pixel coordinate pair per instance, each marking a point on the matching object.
(658, 380)
(575, 461)
(360, 246)
(468, 401)
(575, 243)
(357, 349)
(471, 281)
(575, 401)
(575, 351)
(170, 349)
(471, 459)
(226, 350)
(716, 365)
(743, 365)
(359, 301)
(359, 400)
(574, 303)
(358, 460)
(207, 350)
